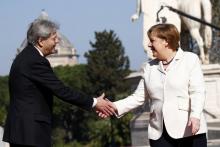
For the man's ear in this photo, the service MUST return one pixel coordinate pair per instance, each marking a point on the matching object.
(40, 42)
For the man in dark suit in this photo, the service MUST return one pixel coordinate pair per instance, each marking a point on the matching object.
(32, 84)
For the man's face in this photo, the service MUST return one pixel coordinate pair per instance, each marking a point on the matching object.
(49, 44)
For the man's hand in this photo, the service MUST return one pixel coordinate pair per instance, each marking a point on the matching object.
(104, 107)
(102, 115)
(194, 123)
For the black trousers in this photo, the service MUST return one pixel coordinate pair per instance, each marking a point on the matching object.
(166, 141)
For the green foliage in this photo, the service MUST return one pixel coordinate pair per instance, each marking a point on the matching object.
(4, 98)
(107, 64)
(68, 117)
(107, 67)
(75, 76)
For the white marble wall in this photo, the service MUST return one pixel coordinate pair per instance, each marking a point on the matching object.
(212, 81)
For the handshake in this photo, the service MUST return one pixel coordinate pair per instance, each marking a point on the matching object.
(105, 108)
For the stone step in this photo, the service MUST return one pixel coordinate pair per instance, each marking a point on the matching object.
(213, 133)
(214, 143)
(214, 130)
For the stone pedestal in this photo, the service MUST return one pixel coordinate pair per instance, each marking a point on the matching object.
(139, 123)
(138, 126)
(212, 81)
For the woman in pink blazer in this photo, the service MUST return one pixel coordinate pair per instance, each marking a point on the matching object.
(174, 84)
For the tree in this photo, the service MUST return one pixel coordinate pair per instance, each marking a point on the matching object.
(107, 68)
(107, 64)
(4, 98)
(68, 119)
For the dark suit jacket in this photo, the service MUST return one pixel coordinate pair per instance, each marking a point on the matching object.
(32, 84)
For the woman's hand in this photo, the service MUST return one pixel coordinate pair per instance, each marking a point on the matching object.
(103, 115)
(194, 123)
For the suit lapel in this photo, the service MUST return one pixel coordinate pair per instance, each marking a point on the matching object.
(34, 51)
(160, 67)
(177, 59)
(174, 63)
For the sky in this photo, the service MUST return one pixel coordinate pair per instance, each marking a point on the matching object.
(78, 20)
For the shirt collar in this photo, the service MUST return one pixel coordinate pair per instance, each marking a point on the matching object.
(177, 57)
(179, 54)
(39, 51)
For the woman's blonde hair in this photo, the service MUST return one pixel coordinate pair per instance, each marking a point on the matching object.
(167, 32)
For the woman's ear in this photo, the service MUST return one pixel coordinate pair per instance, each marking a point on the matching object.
(166, 43)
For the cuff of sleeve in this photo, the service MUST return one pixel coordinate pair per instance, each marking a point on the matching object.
(118, 114)
(94, 102)
(195, 115)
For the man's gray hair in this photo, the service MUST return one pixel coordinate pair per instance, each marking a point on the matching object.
(41, 28)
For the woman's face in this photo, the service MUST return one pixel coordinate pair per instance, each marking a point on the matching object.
(158, 47)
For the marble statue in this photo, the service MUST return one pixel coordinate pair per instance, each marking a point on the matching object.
(149, 8)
